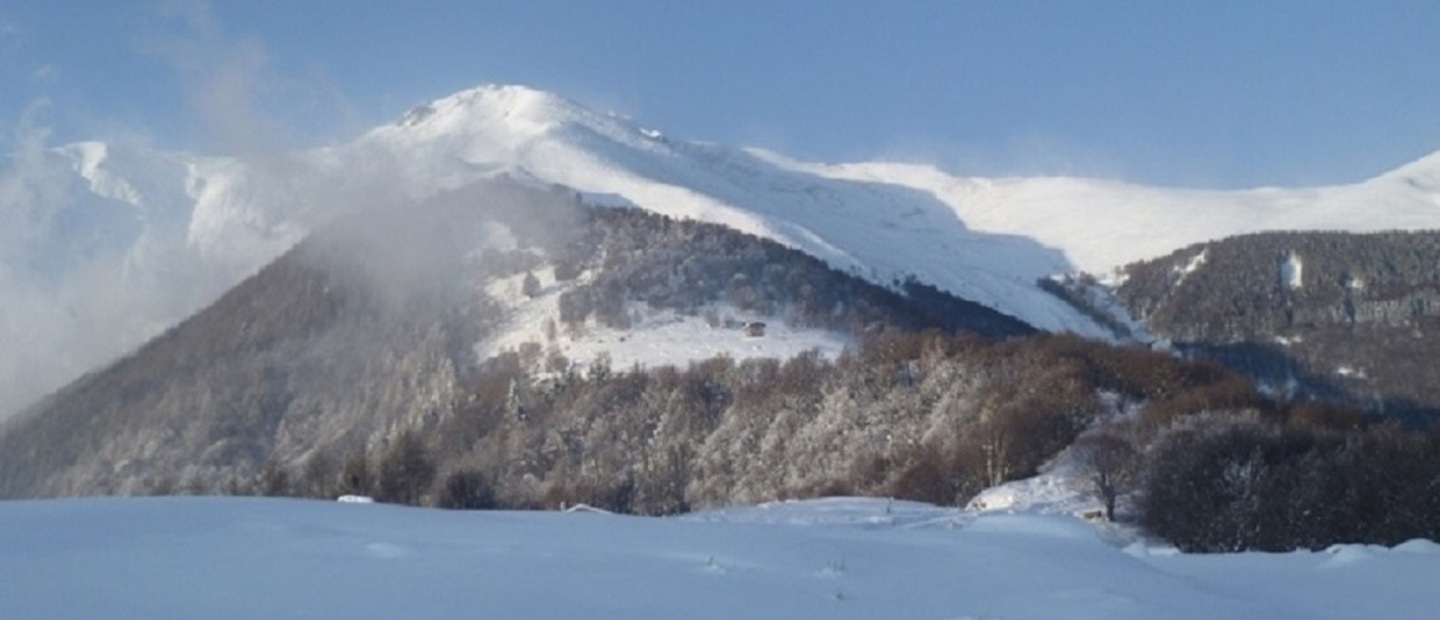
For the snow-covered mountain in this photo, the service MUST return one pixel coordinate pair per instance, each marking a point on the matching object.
(103, 245)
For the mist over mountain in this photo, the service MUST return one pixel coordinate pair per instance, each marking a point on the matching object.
(106, 245)
(374, 326)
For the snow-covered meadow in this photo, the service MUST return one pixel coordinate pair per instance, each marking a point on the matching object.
(656, 337)
(835, 558)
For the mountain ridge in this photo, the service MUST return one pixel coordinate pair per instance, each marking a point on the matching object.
(361, 333)
(193, 226)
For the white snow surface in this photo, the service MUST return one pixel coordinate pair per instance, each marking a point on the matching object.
(103, 245)
(1292, 272)
(1061, 489)
(224, 558)
(656, 337)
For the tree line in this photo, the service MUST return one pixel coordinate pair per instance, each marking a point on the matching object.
(1190, 451)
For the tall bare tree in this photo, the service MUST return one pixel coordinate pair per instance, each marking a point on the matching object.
(1111, 464)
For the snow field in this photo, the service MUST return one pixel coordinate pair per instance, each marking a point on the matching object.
(836, 558)
(656, 337)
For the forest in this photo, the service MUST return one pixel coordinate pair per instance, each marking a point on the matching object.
(1191, 451)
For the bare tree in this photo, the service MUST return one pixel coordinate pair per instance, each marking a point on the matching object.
(1111, 464)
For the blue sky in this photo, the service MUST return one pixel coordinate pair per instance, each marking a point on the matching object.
(1206, 93)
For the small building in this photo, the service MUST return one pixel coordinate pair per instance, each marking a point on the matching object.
(753, 329)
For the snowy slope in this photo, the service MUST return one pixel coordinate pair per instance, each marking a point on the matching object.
(103, 245)
(655, 337)
(838, 558)
(876, 230)
(1101, 225)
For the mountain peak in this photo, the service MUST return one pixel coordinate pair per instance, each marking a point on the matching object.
(521, 109)
(215, 219)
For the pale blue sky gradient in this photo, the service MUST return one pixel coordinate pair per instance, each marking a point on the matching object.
(1199, 93)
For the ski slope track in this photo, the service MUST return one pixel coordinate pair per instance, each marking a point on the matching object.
(104, 245)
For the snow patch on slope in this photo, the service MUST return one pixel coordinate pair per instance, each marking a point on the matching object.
(1292, 271)
(1058, 490)
(1101, 225)
(655, 337)
(1194, 264)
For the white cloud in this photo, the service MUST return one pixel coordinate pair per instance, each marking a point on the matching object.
(85, 277)
(245, 102)
(223, 76)
(31, 194)
(9, 38)
(46, 74)
(71, 300)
